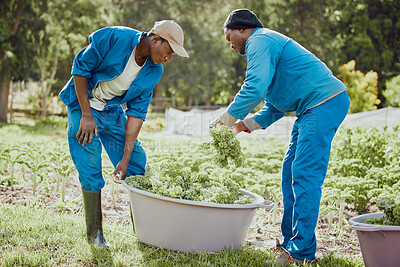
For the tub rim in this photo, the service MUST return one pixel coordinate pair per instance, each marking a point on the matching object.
(260, 202)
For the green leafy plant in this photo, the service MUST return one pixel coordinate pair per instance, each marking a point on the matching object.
(3, 169)
(59, 155)
(366, 160)
(174, 180)
(391, 210)
(275, 193)
(36, 160)
(328, 206)
(64, 170)
(386, 192)
(225, 145)
(334, 200)
(358, 151)
(11, 155)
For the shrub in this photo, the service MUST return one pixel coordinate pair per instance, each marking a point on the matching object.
(392, 92)
(362, 88)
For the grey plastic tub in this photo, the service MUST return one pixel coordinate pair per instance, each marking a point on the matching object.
(380, 244)
(191, 226)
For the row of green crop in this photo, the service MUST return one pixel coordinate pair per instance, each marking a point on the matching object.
(364, 166)
(44, 167)
(366, 162)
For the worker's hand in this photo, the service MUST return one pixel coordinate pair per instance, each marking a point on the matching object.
(240, 127)
(216, 122)
(87, 127)
(121, 168)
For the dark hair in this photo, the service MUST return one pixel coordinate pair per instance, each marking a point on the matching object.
(150, 34)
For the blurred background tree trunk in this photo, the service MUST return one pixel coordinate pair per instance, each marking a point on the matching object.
(4, 92)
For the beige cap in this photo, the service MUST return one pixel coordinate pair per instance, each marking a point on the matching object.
(173, 33)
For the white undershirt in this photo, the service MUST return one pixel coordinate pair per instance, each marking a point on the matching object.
(108, 90)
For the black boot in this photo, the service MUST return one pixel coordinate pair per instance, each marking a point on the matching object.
(94, 218)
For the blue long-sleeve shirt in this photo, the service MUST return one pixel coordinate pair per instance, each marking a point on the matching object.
(104, 59)
(284, 74)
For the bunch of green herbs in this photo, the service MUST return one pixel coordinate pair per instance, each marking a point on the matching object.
(174, 180)
(225, 146)
(392, 213)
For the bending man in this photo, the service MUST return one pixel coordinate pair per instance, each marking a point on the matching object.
(120, 65)
(289, 79)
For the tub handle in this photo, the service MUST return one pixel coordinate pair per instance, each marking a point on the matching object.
(117, 181)
(361, 227)
(267, 205)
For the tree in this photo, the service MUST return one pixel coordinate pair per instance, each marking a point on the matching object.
(309, 23)
(68, 24)
(371, 33)
(211, 67)
(40, 40)
(20, 24)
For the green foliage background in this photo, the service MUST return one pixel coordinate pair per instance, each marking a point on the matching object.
(362, 88)
(39, 37)
(392, 92)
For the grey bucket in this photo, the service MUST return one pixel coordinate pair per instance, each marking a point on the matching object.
(191, 226)
(380, 244)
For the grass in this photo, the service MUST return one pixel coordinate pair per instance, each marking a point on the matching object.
(33, 235)
(47, 238)
(33, 130)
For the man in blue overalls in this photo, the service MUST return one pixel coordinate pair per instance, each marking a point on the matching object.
(289, 79)
(120, 65)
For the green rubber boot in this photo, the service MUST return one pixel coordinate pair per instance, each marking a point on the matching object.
(94, 219)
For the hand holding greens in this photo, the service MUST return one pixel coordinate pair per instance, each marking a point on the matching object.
(225, 145)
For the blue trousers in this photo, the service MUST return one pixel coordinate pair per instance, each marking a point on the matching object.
(111, 134)
(303, 173)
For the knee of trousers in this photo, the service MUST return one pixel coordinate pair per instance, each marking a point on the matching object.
(92, 183)
(87, 161)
